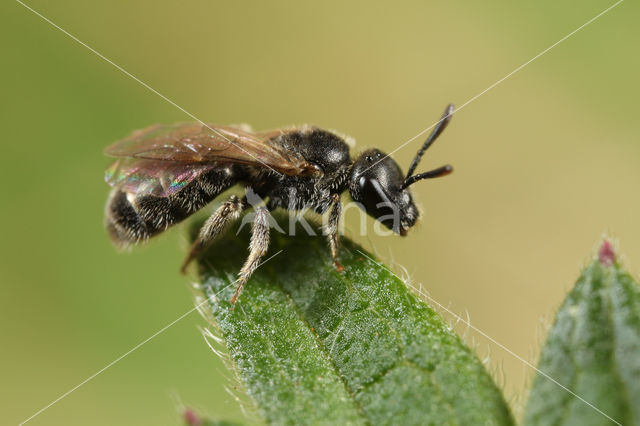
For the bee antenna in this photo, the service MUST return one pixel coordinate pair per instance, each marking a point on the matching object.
(440, 126)
(439, 172)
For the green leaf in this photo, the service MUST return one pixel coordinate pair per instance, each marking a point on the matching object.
(593, 350)
(315, 346)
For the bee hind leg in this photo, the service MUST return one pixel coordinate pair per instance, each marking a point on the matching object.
(257, 249)
(230, 210)
(332, 229)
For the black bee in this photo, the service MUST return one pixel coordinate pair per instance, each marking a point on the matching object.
(165, 173)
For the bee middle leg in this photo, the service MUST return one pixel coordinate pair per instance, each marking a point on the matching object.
(257, 249)
(228, 211)
(333, 228)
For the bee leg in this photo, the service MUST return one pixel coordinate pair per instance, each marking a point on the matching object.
(228, 211)
(332, 229)
(257, 248)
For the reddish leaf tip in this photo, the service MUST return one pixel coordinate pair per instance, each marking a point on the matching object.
(191, 418)
(606, 255)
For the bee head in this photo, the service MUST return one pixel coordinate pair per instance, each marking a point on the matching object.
(376, 184)
(380, 187)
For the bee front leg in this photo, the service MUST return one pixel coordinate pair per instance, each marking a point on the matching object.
(228, 211)
(332, 229)
(257, 248)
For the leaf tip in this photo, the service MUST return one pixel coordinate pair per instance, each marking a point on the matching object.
(191, 418)
(606, 254)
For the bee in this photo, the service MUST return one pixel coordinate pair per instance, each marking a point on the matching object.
(165, 173)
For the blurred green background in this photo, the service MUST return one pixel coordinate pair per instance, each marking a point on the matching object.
(545, 162)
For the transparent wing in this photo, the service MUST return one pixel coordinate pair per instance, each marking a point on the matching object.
(195, 143)
(153, 177)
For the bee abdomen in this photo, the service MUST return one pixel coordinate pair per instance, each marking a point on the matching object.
(123, 222)
(133, 218)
